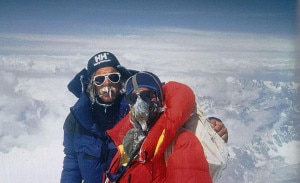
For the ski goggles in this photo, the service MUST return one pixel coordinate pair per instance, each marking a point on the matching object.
(147, 96)
(112, 77)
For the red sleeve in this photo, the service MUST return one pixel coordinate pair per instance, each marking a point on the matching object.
(118, 132)
(187, 162)
(180, 101)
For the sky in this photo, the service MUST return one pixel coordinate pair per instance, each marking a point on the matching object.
(111, 16)
(239, 57)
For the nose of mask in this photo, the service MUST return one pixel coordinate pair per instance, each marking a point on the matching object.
(140, 112)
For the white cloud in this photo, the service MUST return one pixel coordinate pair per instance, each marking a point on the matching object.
(290, 151)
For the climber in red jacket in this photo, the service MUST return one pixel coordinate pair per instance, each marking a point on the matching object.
(152, 145)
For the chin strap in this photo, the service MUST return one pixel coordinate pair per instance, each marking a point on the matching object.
(135, 85)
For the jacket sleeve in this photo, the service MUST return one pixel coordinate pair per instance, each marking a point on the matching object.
(180, 102)
(187, 162)
(70, 172)
(118, 132)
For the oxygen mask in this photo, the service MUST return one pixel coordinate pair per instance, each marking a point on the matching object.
(143, 109)
(139, 113)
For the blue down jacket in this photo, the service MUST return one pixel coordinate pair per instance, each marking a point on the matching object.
(88, 149)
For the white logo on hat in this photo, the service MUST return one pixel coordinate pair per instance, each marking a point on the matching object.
(101, 58)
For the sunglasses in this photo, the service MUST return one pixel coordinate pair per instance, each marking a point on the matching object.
(147, 96)
(112, 77)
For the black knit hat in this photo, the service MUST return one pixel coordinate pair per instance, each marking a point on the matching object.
(106, 59)
(102, 59)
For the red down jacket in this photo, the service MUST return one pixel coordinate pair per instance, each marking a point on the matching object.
(185, 163)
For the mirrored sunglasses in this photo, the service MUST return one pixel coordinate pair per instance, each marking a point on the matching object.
(147, 96)
(112, 77)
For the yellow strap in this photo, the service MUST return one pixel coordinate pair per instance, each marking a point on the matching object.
(124, 158)
(160, 140)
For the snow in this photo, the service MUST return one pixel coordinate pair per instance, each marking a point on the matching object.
(290, 152)
(42, 164)
(239, 78)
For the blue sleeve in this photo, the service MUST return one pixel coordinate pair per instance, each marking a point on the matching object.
(71, 172)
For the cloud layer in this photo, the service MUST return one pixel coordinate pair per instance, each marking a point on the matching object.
(247, 80)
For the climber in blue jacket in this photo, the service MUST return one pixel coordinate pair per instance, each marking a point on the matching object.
(88, 150)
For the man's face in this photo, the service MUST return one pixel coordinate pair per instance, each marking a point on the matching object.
(109, 89)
